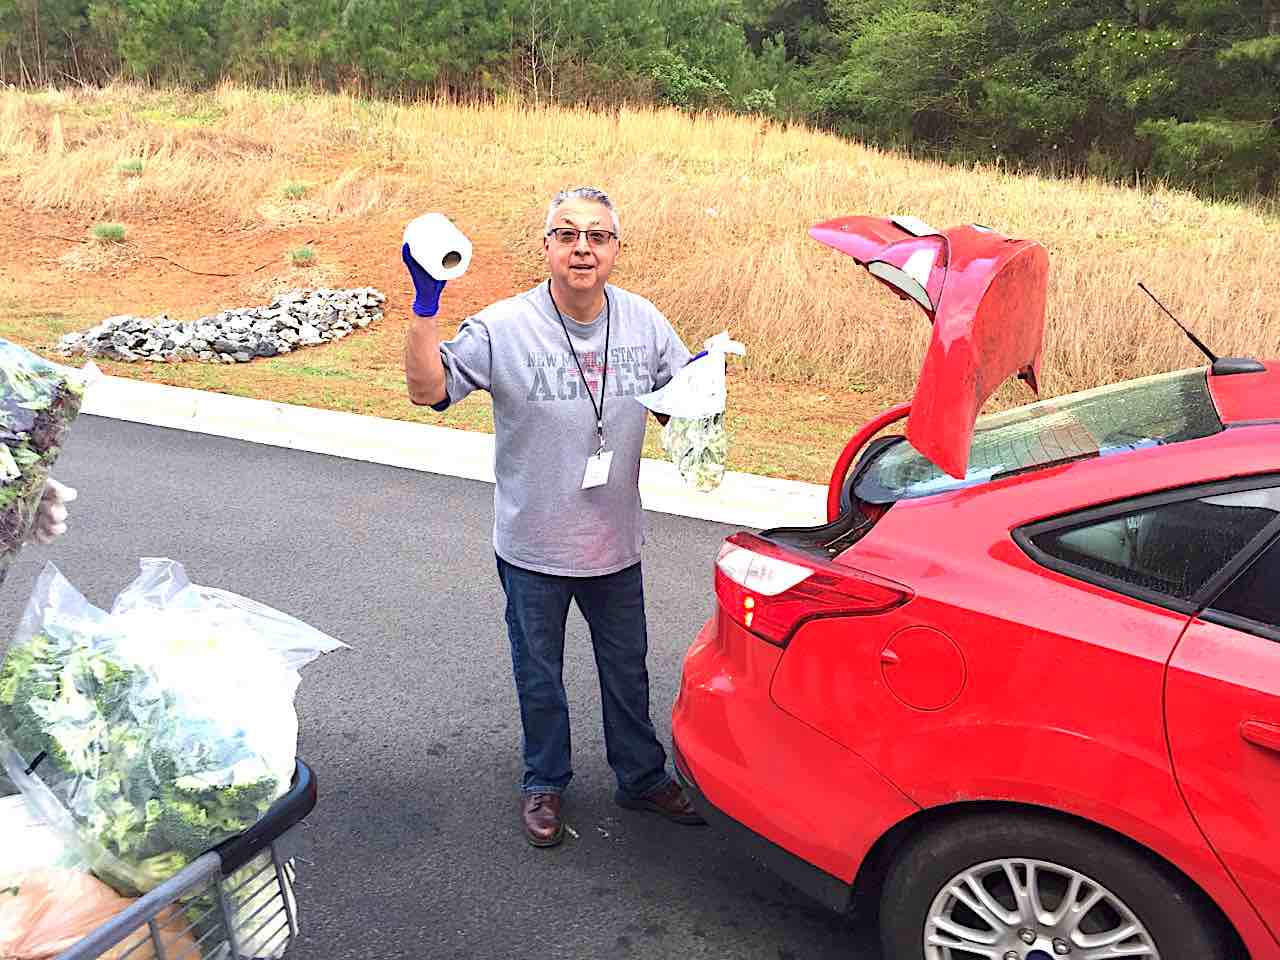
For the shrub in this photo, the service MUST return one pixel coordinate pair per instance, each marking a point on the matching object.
(682, 85)
(109, 233)
(295, 190)
(761, 100)
(302, 256)
(129, 168)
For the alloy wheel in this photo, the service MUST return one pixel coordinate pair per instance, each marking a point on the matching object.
(1021, 909)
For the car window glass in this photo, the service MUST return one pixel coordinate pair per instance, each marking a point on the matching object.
(1152, 411)
(1255, 594)
(1172, 549)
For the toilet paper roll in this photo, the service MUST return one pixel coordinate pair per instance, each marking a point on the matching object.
(439, 247)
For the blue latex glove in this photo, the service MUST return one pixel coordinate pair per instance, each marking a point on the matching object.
(426, 288)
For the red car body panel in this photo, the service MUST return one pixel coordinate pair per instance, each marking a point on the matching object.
(985, 295)
(1223, 709)
(1245, 398)
(728, 730)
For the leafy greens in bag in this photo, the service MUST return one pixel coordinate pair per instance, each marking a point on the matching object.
(38, 401)
(698, 448)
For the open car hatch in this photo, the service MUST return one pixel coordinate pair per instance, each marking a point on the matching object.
(985, 296)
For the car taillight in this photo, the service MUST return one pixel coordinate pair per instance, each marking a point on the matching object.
(771, 592)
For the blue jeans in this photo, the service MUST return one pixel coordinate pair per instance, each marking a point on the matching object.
(613, 606)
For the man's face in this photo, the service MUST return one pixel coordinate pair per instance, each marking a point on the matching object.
(581, 266)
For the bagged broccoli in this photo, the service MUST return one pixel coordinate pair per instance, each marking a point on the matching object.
(151, 733)
(38, 401)
(698, 448)
(694, 438)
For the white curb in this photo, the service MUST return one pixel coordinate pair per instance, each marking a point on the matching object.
(743, 499)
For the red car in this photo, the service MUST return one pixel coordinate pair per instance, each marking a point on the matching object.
(1024, 687)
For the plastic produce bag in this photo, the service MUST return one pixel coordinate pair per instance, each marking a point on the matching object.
(38, 401)
(156, 731)
(694, 438)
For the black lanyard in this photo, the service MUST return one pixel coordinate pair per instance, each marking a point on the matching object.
(604, 371)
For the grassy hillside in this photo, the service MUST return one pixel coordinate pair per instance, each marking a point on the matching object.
(714, 217)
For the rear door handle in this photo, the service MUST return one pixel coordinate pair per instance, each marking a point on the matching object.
(1265, 735)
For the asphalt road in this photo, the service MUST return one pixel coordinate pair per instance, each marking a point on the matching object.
(415, 848)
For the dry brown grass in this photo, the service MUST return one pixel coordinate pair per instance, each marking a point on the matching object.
(96, 257)
(715, 211)
(292, 277)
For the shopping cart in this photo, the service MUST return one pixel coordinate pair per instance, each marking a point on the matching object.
(233, 903)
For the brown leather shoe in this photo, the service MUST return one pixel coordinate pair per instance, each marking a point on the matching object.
(671, 801)
(542, 824)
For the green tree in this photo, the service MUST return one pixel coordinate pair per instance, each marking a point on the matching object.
(282, 41)
(804, 25)
(161, 41)
(907, 67)
(1182, 89)
(1196, 80)
(50, 41)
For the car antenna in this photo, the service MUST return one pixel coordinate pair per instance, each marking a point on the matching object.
(1191, 336)
(1218, 366)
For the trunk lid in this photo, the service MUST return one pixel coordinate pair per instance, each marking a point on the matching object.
(983, 292)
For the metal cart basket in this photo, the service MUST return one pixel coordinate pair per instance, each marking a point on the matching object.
(235, 902)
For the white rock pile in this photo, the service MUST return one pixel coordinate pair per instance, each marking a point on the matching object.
(298, 318)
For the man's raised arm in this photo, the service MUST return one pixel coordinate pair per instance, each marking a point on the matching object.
(423, 366)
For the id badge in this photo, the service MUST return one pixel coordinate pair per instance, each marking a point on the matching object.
(597, 472)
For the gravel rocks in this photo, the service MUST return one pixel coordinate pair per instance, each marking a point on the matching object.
(298, 318)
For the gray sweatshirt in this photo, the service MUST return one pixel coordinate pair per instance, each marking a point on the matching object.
(545, 424)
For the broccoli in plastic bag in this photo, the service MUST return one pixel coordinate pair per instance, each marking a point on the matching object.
(38, 401)
(149, 734)
(695, 438)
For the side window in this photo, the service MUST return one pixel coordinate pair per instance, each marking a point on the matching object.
(1255, 594)
(1172, 549)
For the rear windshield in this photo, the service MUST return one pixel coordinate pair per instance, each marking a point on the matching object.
(1166, 408)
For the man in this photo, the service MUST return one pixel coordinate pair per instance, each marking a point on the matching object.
(563, 363)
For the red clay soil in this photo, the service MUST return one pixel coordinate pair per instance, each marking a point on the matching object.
(149, 273)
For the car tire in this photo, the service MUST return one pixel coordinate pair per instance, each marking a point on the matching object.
(997, 850)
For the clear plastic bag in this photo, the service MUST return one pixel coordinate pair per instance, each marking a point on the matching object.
(153, 732)
(38, 401)
(694, 437)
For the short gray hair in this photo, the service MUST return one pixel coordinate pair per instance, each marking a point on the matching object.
(583, 193)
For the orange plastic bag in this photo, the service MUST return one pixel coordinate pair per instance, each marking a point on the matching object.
(50, 910)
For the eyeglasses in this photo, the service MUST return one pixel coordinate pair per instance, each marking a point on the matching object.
(567, 236)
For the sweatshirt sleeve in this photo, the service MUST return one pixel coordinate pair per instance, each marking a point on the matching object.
(671, 353)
